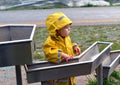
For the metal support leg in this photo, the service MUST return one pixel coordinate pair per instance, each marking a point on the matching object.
(43, 83)
(100, 75)
(18, 75)
(105, 81)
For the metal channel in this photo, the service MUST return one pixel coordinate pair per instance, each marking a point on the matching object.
(98, 59)
(29, 33)
(13, 39)
(46, 71)
(110, 63)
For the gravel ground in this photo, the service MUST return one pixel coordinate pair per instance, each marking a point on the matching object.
(8, 77)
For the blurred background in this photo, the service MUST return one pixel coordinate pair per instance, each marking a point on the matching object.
(7, 4)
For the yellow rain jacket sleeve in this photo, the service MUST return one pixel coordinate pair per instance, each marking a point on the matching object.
(52, 52)
(53, 48)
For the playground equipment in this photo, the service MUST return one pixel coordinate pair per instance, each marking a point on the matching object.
(16, 49)
(110, 63)
(15, 46)
(83, 64)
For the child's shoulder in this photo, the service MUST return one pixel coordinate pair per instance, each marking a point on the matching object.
(50, 40)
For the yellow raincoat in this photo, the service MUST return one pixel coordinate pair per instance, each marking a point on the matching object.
(55, 44)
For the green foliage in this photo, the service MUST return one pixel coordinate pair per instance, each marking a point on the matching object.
(116, 46)
(110, 1)
(116, 75)
(84, 36)
(90, 5)
(37, 8)
(53, 7)
(40, 36)
(87, 35)
(37, 56)
(113, 80)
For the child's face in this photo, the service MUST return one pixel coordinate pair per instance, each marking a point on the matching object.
(65, 31)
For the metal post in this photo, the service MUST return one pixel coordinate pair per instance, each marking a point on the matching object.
(18, 75)
(43, 83)
(100, 75)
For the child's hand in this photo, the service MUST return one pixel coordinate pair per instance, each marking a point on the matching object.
(66, 57)
(76, 50)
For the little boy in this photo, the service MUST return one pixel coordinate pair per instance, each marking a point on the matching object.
(58, 46)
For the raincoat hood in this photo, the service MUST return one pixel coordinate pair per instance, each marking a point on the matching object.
(56, 21)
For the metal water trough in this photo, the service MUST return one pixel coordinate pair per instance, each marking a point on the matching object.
(83, 64)
(15, 44)
(110, 63)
